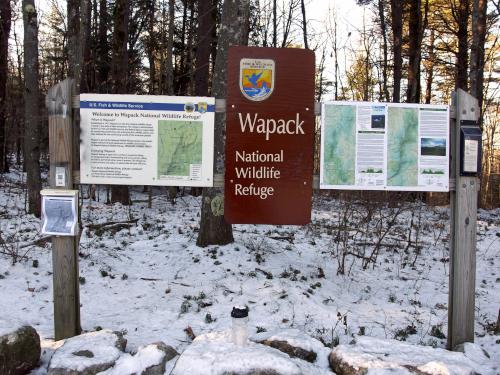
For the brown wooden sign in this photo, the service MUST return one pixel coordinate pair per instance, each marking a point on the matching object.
(269, 136)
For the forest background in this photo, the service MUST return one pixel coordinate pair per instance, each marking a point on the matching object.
(416, 51)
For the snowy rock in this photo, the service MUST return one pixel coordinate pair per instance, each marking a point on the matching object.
(87, 354)
(149, 360)
(215, 354)
(296, 344)
(378, 356)
(19, 349)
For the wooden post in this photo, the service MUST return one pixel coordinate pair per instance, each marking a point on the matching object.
(463, 202)
(64, 249)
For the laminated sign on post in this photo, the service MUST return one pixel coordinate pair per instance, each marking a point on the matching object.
(59, 212)
(269, 136)
(146, 140)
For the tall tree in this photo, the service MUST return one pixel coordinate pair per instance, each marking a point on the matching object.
(417, 25)
(461, 12)
(397, 45)
(74, 45)
(119, 75)
(234, 31)
(103, 65)
(87, 70)
(429, 66)
(477, 50)
(5, 23)
(304, 23)
(383, 31)
(151, 46)
(275, 25)
(203, 47)
(169, 66)
(31, 107)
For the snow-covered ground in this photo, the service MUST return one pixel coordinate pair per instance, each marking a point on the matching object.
(150, 280)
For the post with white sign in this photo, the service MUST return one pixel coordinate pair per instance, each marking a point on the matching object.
(59, 213)
(465, 168)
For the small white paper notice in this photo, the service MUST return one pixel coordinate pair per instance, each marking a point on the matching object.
(470, 155)
(59, 215)
(60, 176)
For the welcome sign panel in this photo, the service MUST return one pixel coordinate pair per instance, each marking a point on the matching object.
(146, 140)
(269, 136)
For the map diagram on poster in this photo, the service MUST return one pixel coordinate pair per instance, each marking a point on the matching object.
(384, 146)
(146, 140)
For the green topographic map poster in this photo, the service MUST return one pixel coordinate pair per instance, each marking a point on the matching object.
(402, 147)
(339, 145)
(179, 147)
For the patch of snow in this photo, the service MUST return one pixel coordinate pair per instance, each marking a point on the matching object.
(215, 354)
(100, 343)
(369, 352)
(10, 326)
(145, 357)
(154, 274)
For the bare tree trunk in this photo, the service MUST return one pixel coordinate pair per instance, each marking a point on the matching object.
(204, 43)
(74, 47)
(189, 81)
(5, 23)
(430, 69)
(304, 23)
(275, 25)
(206, 24)
(169, 89)
(397, 35)
(477, 51)
(31, 107)
(103, 48)
(213, 228)
(151, 47)
(85, 40)
(383, 31)
(415, 21)
(119, 73)
(462, 18)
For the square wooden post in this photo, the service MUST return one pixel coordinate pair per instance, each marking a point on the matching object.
(64, 249)
(463, 202)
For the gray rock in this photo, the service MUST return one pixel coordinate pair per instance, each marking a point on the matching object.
(292, 351)
(390, 356)
(87, 354)
(214, 353)
(149, 360)
(19, 351)
(159, 369)
(341, 367)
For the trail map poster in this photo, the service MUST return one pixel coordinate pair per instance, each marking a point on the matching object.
(146, 140)
(384, 146)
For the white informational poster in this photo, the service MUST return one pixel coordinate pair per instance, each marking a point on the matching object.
(59, 212)
(146, 140)
(471, 152)
(384, 146)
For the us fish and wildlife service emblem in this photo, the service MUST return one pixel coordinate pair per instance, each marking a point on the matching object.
(257, 78)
